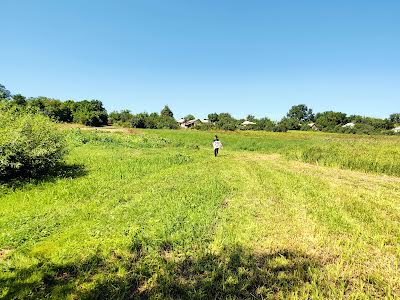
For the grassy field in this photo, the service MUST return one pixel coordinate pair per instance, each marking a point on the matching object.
(152, 214)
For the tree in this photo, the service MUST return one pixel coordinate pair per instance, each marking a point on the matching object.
(19, 99)
(167, 112)
(280, 127)
(4, 93)
(264, 124)
(213, 118)
(377, 124)
(124, 116)
(31, 144)
(139, 120)
(289, 124)
(301, 113)
(53, 108)
(152, 121)
(167, 122)
(395, 118)
(227, 122)
(251, 118)
(90, 113)
(328, 120)
(189, 117)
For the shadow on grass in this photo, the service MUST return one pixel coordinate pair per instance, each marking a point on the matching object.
(235, 273)
(58, 172)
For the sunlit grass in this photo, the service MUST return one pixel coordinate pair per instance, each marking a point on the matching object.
(155, 215)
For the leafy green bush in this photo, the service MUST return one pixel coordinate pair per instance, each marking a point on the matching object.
(204, 126)
(90, 113)
(79, 137)
(30, 144)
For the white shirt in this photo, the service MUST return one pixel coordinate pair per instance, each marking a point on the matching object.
(217, 144)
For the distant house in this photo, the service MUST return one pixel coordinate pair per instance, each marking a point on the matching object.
(181, 123)
(349, 125)
(246, 123)
(190, 123)
(396, 129)
(313, 126)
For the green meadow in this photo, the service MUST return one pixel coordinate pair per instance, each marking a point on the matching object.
(153, 214)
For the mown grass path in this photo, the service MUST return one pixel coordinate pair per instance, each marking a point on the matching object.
(134, 221)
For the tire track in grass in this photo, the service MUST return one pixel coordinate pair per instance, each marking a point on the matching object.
(347, 232)
(275, 234)
(259, 216)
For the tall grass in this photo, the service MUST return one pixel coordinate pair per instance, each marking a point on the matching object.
(378, 154)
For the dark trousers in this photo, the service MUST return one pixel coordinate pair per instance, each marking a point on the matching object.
(216, 152)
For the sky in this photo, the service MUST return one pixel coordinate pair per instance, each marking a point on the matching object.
(256, 57)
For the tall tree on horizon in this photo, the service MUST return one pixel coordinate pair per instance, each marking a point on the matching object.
(167, 112)
(300, 113)
(4, 93)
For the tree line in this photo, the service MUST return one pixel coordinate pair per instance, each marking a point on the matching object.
(299, 117)
(86, 112)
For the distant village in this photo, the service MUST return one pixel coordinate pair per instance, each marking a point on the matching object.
(183, 123)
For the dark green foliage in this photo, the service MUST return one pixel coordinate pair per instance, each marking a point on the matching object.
(167, 122)
(19, 99)
(140, 120)
(334, 122)
(123, 118)
(290, 124)
(222, 121)
(4, 93)
(227, 122)
(204, 126)
(167, 112)
(264, 124)
(280, 127)
(30, 144)
(300, 113)
(329, 120)
(189, 117)
(395, 118)
(153, 121)
(52, 108)
(90, 113)
(213, 118)
(363, 128)
(251, 118)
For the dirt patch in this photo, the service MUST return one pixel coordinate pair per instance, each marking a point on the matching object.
(4, 253)
(102, 129)
(109, 129)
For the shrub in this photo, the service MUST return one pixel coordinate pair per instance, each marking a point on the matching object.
(204, 126)
(166, 122)
(280, 127)
(90, 113)
(30, 144)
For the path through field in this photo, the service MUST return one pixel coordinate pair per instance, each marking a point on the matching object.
(175, 222)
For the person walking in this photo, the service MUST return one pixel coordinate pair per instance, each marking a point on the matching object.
(216, 144)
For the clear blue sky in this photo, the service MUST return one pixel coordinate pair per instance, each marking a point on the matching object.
(243, 57)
